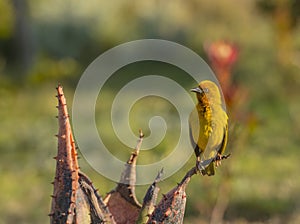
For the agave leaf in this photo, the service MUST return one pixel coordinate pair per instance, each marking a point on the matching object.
(171, 208)
(90, 205)
(66, 176)
(74, 200)
(122, 201)
(149, 201)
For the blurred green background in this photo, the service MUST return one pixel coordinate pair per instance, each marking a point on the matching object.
(43, 43)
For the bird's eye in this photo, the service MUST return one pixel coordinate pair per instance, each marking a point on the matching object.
(205, 90)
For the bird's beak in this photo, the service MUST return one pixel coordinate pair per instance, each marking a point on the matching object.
(197, 90)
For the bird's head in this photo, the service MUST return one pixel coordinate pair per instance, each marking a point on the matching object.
(207, 92)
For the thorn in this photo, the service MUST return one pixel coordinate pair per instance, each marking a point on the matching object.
(52, 182)
(168, 212)
(165, 196)
(60, 136)
(51, 214)
(52, 196)
(55, 157)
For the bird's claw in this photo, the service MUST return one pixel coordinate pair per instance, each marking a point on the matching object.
(220, 157)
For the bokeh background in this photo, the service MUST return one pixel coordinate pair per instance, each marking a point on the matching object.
(43, 43)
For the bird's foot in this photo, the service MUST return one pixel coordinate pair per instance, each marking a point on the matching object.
(220, 157)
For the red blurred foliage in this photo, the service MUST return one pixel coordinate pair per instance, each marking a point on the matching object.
(222, 56)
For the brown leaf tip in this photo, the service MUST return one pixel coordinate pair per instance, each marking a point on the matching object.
(141, 134)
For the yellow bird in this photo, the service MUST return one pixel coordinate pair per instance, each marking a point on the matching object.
(208, 125)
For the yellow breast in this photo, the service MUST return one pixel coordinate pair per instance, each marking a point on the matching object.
(207, 128)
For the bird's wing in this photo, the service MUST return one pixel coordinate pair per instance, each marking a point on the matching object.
(217, 142)
(194, 127)
(222, 147)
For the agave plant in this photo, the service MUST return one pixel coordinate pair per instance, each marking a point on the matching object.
(76, 200)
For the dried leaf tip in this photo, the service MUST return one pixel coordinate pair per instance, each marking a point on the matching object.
(159, 175)
(59, 86)
(188, 176)
(141, 134)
